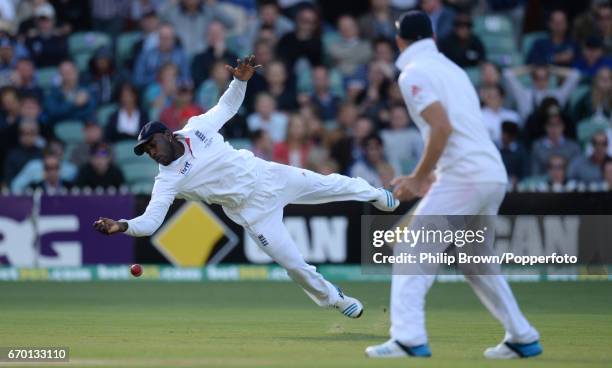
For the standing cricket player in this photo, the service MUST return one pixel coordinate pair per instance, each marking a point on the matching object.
(195, 163)
(469, 179)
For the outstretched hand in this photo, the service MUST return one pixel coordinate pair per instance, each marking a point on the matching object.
(107, 226)
(244, 69)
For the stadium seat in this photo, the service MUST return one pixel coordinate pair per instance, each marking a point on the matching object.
(47, 77)
(104, 112)
(87, 42)
(69, 131)
(125, 43)
(142, 187)
(138, 172)
(587, 127)
(82, 60)
(528, 40)
(575, 97)
(473, 73)
(240, 143)
(123, 152)
(493, 25)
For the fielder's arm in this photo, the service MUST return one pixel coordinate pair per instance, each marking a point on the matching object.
(232, 98)
(146, 224)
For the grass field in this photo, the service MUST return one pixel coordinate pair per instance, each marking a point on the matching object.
(264, 324)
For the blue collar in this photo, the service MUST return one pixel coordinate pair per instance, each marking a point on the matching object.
(426, 46)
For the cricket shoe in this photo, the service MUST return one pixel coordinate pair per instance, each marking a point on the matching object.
(385, 201)
(394, 349)
(510, 350)
(350, 307)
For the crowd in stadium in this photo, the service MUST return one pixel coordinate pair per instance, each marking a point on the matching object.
(79, 79)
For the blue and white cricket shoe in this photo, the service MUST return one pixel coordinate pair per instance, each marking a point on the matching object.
(350, 307)
(385, 201)
(394, 349)
(510, 350)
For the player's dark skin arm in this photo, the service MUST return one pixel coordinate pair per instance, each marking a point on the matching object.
(417, 184)
(165, 148)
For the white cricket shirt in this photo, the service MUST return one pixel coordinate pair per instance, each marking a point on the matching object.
(211, 170)
(428, 76)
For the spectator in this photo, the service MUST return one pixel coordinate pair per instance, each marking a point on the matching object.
(557, 48)
(304, 42)
(607, 174)
(490, 75)
(592, 58)
(28, 148)
(513, 153)
(374, 100)
(216, 51)
(294, 150)
(33, 172)
(280, 86)
(125, 123)
(349, 148)
(182, 108)
(557, 172)
(325, 102)
(384, 52)
(440, 15)
(267, 118)
(528, 98)
(269, 17)
(100, 171)
(402, 142)
(141, 8)
(149, 40)
(74, 14)
(369, 165)
(264, 55)
(599, 101)
(108, 15)
(69, 101)
(52, 182)
(262, 145)
(92, 135)
(595, 21)
(462, 46)
(31, 110)
(161, 93)
(589, 168)
(102, 77)
(10, 107)
(46, 46)
(494, 114)
(23, 79)
(378, 22)
(149, 62)
(10, 53)
(349, 53)
(191, 18)
(554, 143)
(211, 90)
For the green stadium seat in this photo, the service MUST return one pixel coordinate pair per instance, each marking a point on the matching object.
(125, 44)
(240, 143)
(46, 77)
(575, 97)
(87, 42)
(82, 60)
(123, 151)
(529, 39)
(493, 25)
(473, 73)
(142, 187)
(587, 127)
(104, 112)
(69, 131)
(138, 172)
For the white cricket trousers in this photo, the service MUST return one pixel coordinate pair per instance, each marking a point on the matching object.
(262, 217)
(408, 291)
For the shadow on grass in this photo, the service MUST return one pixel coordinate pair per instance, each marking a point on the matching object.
(344, 336)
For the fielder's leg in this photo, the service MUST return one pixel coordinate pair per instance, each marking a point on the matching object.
(273, 238)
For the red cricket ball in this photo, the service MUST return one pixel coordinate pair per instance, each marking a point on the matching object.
(136, 270)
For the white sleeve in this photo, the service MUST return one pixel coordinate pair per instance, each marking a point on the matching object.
(161, 198)
(227, 107)
(417, 90)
